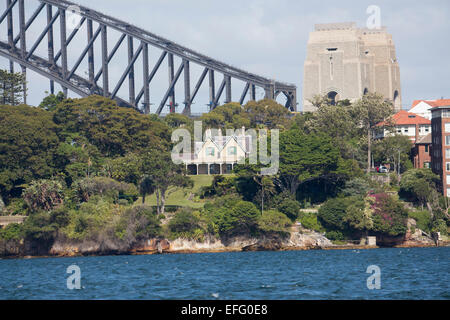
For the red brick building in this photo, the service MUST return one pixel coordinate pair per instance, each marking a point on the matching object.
(407, 124)
(418, 129)
(440, 155)
(421, 153)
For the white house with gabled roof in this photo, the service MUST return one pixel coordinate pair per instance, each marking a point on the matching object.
(218, 154)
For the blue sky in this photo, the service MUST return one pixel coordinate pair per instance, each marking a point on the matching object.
(269, 37)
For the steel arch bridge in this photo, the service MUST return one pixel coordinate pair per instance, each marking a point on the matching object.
(55, 65)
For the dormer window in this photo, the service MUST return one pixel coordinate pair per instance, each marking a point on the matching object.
(232, 151)
(210, 151)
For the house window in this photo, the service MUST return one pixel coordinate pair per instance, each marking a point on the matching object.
(447, 140)
(426, 148)
(210, 151)
(447, 153)
(232, 151)
(447, 166)
(447, 127)
(426, 165)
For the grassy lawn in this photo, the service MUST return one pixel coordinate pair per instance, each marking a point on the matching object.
(184, 197)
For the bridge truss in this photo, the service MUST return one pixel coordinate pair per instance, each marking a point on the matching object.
(97, 80)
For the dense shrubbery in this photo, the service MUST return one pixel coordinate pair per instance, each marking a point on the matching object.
(423, 219)
(104, 187)
(186, 224)
(44, 195)
(273, 221)
(417, 185)
(331, 213)
(309, 221)
(355, 216)
(290, 208)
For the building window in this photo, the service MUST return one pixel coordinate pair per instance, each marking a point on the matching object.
(210, 151)
(447, 140)
(426, 165)
(426, 148)
(447, 127)
(406, 129)
(447, 153)
(447, 166)
(232, 151)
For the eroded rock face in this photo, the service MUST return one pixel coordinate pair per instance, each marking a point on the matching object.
(296, 240)
(151, 246)
(307, 240)
(11, 248)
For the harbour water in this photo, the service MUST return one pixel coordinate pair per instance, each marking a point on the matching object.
(411, 273)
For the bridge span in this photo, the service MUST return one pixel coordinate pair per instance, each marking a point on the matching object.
(97, 80)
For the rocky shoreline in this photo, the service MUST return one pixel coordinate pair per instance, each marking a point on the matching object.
(296, 241)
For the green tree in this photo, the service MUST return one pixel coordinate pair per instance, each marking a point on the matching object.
(359, 215)
(114, 130)
(332, 213)
(267, 113)
(213, 120)
(356, 187)
(28, 142)
(146, 187)
(394, 150)
(389, 216)
(126, 168)
(337, 120)
(232, 216)
(290, 208)
(51, 101)
(304, 157)
(158, 166)
(272, 221)
(86, 188)
(76, 158)
(184, 223)
(419, 185)
(11, 88)
(44, 195)
(176, 120)
(369, 111)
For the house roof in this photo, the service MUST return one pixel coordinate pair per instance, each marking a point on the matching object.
(424, 140)
(433, 103)
(222, 141)
(404, 117)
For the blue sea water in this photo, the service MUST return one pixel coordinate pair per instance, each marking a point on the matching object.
(415, 273)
